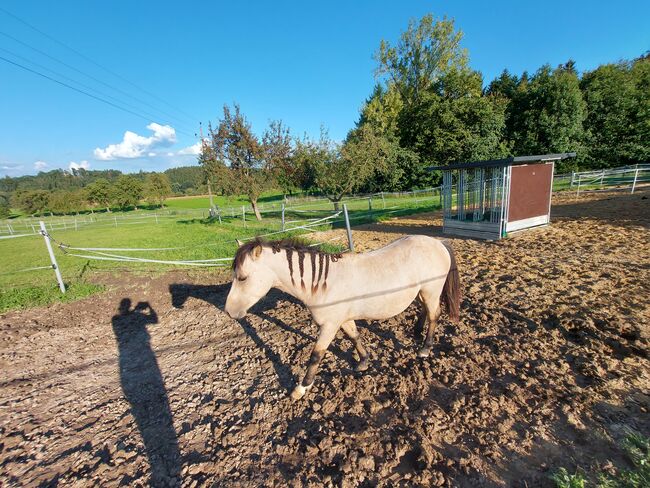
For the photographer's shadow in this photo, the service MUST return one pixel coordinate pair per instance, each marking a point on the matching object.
(144, 389)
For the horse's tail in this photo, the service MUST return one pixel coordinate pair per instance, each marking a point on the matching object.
(451, 291)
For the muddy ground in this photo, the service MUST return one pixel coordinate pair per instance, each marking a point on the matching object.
(548, 367)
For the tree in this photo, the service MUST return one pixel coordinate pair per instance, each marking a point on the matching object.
(341, 169)
(550, 113)
(618, 110)
(425, 52)
(186, 179)
(277, 150)
(157, 188)
(453, 122)
(5, 210)
(66, 202)
(99, 193)
(126, 192)
(31, 201)
(235, 158)
(381, 110)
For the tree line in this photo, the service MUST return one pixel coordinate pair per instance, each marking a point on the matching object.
(430, 108)
(60, 191)
(124, 192)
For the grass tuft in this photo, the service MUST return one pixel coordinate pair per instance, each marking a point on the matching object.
(563, 479)
(18, 298)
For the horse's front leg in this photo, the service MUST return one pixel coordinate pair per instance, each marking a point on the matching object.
(325, 336)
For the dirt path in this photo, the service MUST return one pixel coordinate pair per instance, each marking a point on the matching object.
(547, 367)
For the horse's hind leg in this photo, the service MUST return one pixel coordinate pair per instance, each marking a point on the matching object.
(431, 301)
(351, 331)
(325, 337)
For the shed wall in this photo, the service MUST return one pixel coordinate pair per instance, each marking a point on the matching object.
(530, 191)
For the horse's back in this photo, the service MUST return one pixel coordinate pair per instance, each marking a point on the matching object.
(382, 283)
(417, 248)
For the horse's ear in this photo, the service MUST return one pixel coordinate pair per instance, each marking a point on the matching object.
(239, 243)
(257, 250)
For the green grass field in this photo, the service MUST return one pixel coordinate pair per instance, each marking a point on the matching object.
(195, 237)
(204, 202)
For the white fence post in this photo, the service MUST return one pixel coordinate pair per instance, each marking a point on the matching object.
(347, 227)
(636, 176)
(57, 272)
(283, 217)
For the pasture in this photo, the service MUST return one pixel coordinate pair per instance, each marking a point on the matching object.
(547, 368)
(187, 233)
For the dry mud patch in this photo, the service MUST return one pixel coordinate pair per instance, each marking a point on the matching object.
(547, 367)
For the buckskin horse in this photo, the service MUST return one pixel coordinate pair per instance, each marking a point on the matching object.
(341, 288)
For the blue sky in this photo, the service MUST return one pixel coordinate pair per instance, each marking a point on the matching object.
(307, 63)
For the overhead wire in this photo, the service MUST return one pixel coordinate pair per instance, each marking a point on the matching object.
(77, 90)
(87, 87)
(94, 78)
(36, 29)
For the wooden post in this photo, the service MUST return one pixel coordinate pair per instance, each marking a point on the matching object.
(55, 266)
(283, 217)
(347, 227)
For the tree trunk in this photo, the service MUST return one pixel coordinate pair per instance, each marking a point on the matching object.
(336, 205)
(258, 216)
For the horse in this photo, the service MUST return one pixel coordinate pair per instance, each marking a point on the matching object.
(339, 288)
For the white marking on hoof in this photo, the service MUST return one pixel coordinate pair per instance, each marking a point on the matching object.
(299, 391)
(424, 353)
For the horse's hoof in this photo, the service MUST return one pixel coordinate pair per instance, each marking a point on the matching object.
(424, 352)
(361, 366)
(299, 392)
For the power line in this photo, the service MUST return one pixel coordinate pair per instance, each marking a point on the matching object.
(190, 117)
(69, 66)
(61, 75)
(79, 90)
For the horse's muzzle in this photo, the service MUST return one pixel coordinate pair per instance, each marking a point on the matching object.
(239, 314)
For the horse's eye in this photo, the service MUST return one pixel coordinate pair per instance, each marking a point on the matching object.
(242, 278)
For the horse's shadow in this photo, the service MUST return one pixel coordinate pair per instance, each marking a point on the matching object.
(216, 295)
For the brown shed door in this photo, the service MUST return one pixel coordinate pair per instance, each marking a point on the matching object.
(530, 191)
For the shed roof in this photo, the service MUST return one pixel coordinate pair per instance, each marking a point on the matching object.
(511, 161)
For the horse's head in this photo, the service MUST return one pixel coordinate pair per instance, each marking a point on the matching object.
(252, 279)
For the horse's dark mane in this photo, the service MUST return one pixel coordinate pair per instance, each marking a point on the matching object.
(289, 244)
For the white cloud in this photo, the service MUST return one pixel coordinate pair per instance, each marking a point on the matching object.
(170, 154)
(82, 164)
(39, 165)
(135, 146)
(194, 150)
(11, 166)
(151, 154)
